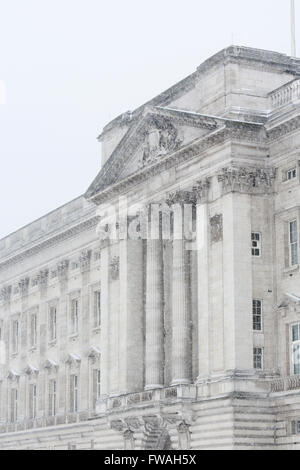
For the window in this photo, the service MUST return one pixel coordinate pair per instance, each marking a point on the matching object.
(13, 405)
(295, 352)
(257, 315)
(32, 401)
(258, 358)
(52, 323)
(52, 397)
(15, 336)
(97, 308)
(291, 174)
(74, 316)
(96, 385)
(33, 330)
(256, 243)
(293, 240)
(295, 425)
(74, 393)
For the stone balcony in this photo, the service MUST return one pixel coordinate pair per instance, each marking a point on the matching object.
(285, 95)
(285, 384)
(182, 392)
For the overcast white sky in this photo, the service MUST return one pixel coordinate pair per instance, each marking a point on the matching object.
(70, 66)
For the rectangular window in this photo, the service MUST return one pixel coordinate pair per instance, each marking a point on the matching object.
(52, 397)
(295, 349)
(257, 315)
(295, 425)
(32, 401)
(291, 174)
(97, 308)
(256, 244)
(33, 330)
(52, 323)
(293, 241)
(96, 385)
(74, 316)
(258, 358)
(15, 336)
(73, 393)
(13, 405)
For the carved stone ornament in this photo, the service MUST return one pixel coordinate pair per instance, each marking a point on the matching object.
(181, 197)
(184, 437)
(216, 228)
(161, 139)
(114, 268)
(251, 180)
(5, 294)
(85, 260)
(128, 440)
(23, 286)
(42, 278)
(117, 425)
(62, 270)
(201, 189)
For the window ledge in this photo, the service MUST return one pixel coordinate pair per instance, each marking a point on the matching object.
(96, 329)
(73, 336)
(291, 269)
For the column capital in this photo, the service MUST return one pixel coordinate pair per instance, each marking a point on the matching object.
(201, 190)
(181, 197)
(5, 294)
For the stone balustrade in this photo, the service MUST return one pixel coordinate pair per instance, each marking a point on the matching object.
(285, 94)
(283, 384)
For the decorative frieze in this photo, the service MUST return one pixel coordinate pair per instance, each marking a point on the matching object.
(181, 197)
(62, 270)
(216, 228)
(5, 294)
(114, 268)
(23, 285)
(184, 436)
(85, 260)
(42, 278)
(251, 180)
(201, 189)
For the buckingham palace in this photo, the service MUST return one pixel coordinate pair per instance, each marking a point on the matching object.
(161, 309)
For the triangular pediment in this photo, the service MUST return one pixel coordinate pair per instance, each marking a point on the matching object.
(159, 133)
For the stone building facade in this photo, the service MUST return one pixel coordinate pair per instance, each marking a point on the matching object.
(118, 333)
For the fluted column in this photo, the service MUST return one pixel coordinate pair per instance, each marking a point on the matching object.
(181, 333)
(154, 377)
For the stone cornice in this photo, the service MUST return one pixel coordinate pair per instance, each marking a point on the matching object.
(283, 128)
(52, 240)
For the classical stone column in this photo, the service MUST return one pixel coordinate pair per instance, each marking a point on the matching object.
(181, 334)
(154, 315)
(201, 190)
